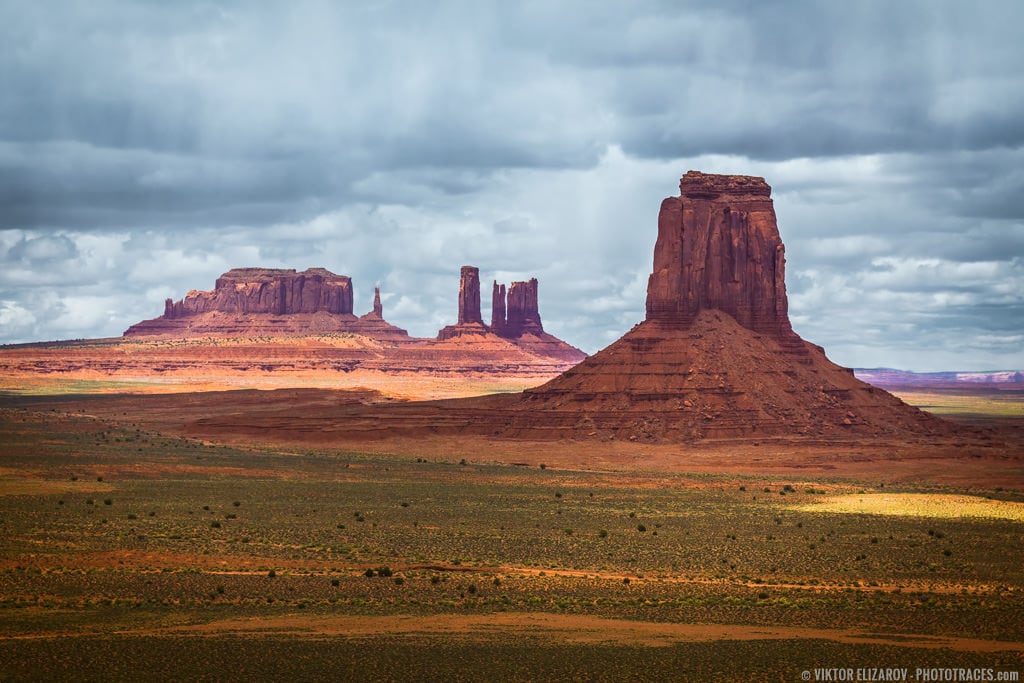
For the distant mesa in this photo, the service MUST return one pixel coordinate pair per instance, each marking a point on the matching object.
(285, 303)
(903, 379)
(270, 301)
(269, 290)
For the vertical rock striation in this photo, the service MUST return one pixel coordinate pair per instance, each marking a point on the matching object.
(498, 309)
(470, 320)
(269, 290)
(719, 247)
(469, 296)
(523, 315)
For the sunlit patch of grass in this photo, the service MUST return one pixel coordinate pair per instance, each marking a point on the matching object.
(945, 506)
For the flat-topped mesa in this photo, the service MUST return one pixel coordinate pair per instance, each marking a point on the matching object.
(269, 290)
(719, 247)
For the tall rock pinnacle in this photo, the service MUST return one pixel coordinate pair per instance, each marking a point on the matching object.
(378, 309)
(470, 320)
(498, 309)
(719, 247)
(469, 296)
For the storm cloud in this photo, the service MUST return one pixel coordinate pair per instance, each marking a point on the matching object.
(147, 147)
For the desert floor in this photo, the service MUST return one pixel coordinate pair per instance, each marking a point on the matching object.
(143, 540)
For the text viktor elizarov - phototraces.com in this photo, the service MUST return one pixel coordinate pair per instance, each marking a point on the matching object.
(931, 675)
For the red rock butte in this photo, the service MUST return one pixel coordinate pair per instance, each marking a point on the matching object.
(716, 356)
(719, 248)
(515, 318)
(270, 301)
(276, 327)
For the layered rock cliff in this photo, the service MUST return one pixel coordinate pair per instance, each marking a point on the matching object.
(269, 290)
(269, 301)
(719, 247)
(518, 314)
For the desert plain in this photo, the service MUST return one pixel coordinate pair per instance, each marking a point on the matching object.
(224, 534)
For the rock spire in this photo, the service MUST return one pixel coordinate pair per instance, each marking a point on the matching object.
(498, 312)
(469, 296)
(378, 308)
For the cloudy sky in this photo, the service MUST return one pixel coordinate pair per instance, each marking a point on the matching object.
(146, 147)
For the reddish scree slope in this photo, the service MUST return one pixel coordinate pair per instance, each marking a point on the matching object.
(715, 358)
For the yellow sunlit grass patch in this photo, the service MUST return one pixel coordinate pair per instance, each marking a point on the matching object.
(917, 505)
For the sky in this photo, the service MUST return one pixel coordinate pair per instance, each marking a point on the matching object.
(147, 147)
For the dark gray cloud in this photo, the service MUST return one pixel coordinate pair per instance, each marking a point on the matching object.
(147, 147)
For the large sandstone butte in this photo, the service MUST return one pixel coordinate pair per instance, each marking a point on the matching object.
(715, 357)
(719, 248)
(270, 301)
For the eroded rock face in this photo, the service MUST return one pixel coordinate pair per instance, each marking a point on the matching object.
(469, 296)
(514, 318)
(470, 320)
(378, 308)
(518, 313)
(498, 309)
(269, 290)
(718, 247)
(523, 314)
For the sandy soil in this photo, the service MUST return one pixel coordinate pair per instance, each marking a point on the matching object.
(305, 418)
(559, 627)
